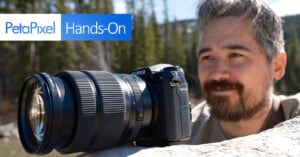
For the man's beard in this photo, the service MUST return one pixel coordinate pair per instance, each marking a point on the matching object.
(223, 108)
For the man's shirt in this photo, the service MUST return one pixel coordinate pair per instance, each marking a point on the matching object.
(206, 129)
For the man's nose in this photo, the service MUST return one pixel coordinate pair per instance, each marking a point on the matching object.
(220, 71)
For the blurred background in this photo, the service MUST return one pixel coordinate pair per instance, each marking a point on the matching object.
(164, 31)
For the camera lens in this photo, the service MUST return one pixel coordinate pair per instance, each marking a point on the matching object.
(37, 114)
(81, 110)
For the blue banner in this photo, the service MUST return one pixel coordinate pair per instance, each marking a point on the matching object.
(96, 27)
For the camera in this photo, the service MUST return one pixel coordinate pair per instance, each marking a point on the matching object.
(79, 111)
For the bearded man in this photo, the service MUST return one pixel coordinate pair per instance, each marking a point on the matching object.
(240, 57)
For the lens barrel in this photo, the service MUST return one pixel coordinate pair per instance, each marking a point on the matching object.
(81, 110)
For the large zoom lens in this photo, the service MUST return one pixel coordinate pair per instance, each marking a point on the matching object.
(81, 110)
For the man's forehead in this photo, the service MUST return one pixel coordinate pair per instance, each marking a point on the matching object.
(220, 29)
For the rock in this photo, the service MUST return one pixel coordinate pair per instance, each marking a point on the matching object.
(9, 132)
(282, 140)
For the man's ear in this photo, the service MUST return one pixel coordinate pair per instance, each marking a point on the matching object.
(279, 64)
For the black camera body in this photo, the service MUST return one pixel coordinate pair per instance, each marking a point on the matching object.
(77, 111)
(171, 117)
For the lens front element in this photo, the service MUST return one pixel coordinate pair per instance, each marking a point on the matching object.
(37, 114)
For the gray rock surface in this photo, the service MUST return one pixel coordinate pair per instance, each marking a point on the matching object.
(9, 132)
(282, 140)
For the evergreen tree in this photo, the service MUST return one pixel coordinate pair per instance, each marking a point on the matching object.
(291, 82)
(137, 49)
(177, 54)
(61, 6)
(167, 32)
(121, 56)
(7, 56)
(154, 42)
(6, 70)
(138, 46)
(192, 65)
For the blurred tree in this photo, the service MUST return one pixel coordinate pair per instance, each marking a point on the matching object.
(157, 37)
(6, 71)
(7, 51)
(146, 46)
(62, 6)
(291, 82)
(169, 42)
(192, 63)
(167, 32)
(177, 53)
(123, 56)
(137, 48)
(154, 46)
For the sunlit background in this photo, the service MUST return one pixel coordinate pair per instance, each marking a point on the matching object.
(186, 9)
(170, 37)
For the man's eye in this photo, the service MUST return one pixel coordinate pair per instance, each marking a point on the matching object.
(235, 55)
(207, 58)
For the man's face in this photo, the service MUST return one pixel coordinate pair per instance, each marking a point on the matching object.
(235, 75)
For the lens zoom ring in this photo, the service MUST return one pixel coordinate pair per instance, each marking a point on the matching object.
(113, 106)
(85, 93)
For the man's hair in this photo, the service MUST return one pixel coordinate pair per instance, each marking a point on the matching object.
(266, 25)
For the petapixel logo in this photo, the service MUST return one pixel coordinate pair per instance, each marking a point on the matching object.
(30, 28)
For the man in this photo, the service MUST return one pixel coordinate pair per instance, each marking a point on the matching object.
(241, 55)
